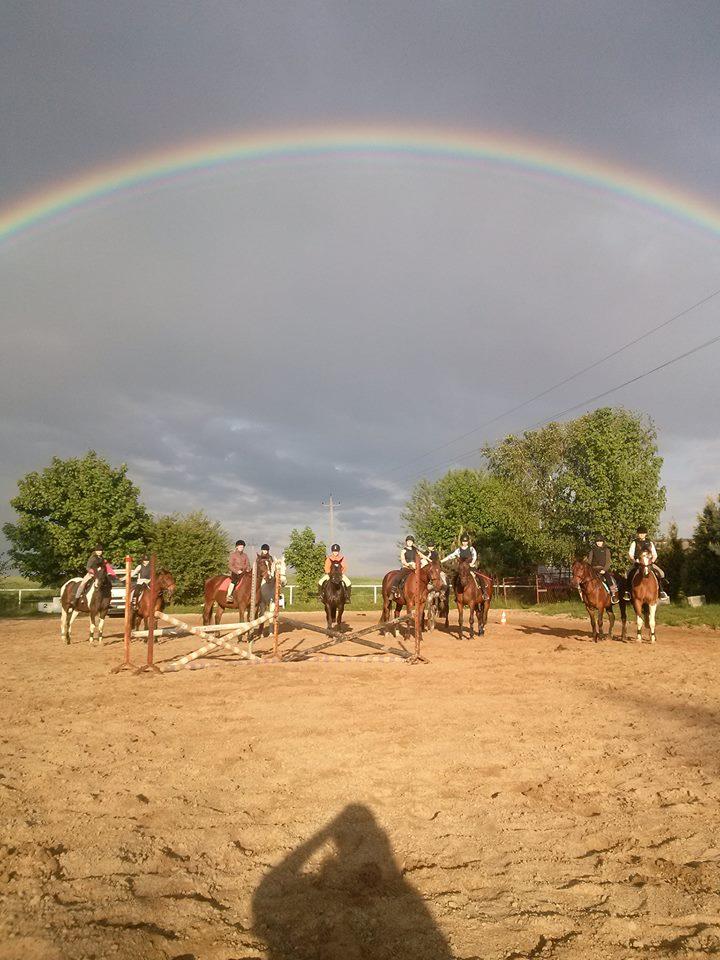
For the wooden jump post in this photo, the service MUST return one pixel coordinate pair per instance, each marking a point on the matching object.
(150, 666)
(276, 612)
(127, 664)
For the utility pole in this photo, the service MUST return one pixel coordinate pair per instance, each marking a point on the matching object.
(331, 504)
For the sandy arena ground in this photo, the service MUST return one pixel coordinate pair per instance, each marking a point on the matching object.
(530, 794)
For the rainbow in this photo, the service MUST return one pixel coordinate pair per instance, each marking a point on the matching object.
(524, 156)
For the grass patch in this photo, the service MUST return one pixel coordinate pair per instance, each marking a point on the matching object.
(673, 615)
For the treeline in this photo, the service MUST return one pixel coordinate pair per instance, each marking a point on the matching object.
(66, 509)
(694, 568)
(542, 496)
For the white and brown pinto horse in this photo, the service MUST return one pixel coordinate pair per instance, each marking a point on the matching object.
(95, 602)
(645, 593)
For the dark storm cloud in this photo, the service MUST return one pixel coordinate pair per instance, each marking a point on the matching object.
(262, 337)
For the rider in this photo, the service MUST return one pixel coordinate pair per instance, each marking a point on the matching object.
(466, 552)
(238, 564)
(95, 563)
(640, 543)
(433, 554)
(141, 576)
(409, 555)
(336, 557)
(599, 559)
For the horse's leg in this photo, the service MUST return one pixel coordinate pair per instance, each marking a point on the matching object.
(460, 607)
(639, 619)
(611, 622)
(340, 611)
(219, 611)
(623, 614)
(207, 611)
(600, 614)
(64, 635)
(100, 625)
(593, 623)
(481, 618)
(91, 637)
(652, 607)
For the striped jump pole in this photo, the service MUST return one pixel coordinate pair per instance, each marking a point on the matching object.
(213, 643)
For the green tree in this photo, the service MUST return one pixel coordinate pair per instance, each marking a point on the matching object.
(5, 566)
(492, 511)
(703, 569)
(672, 557)
(193, 548)
(65, 509)
(307, 557)
(597, 473)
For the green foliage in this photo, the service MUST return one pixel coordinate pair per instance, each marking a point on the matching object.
(490, 510)
(307, 557)
(673, 558)
(5, 566)
(65, 509)
(598, 473)
(703, 566)
(193, 548)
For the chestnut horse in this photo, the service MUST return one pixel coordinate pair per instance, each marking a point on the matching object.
(645, 592)
(216, 593)
(468, 593)
(332, 594)
(431, 572)
(164, 590)
(95, 601)
(596, 598)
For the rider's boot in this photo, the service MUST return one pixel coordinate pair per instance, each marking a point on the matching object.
(228, 598)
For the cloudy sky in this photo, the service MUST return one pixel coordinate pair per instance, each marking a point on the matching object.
(254, 338)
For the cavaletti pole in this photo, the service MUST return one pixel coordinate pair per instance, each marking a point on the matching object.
(253, 590)
(276, 612)
(126, 664)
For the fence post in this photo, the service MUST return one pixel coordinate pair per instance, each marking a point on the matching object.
(504, 586)
(537, 589)
(375, 595)
(276, 612)
(19, 599)
(126, 664)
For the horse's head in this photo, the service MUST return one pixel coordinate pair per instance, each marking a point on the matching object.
(645, 560)
(579, 572)
(263, 568)
(436, 575)
(463, 571)
(166, 585)
(335, 571)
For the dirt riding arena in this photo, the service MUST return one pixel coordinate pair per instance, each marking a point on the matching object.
(529, 794)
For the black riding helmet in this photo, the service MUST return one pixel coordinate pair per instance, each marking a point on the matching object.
(409, 539)
(464, 538)
(239, 543)
(99, 548)
(641, 530)
(265, 546)
(335, 548)
(599, 538)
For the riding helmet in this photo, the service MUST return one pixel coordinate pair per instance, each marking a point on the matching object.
(642, 530)
(265, 546)
(239, 543)
(335, 548)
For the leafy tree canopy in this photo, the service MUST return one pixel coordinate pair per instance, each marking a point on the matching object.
(703, 567)
(599, 473)
(307, 557)
(65, 509)
(193, 548)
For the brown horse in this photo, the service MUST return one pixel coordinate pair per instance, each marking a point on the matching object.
(430, 573)
(332, 594)
(142, 606)
(645, 593)
(216, 593)
(468, 593)
(95, 601)
(595, 597)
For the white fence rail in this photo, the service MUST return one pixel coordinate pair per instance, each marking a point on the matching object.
(46, 591)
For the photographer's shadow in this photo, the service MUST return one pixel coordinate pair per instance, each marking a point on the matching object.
(340, 896)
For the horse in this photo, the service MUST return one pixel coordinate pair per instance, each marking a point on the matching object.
(431, 572)
(95, 601)
(595, 596)
(332, 594)
(645, 592)
(438, 606)
(468, 593)
(216, 593)
(164, 590)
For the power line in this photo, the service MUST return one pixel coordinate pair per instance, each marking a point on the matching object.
(588, 401)
(555, 386)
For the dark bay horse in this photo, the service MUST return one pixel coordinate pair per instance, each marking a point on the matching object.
(596, 598)
(645, 593)
(430, 573)
(332, 594)
(216, 593)
(164, 590)
(95, 602)
(468, 593)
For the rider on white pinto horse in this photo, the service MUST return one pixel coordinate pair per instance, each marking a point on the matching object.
(466, 552)
(640, 543)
